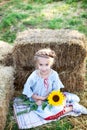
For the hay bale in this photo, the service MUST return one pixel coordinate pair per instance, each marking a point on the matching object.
(5, 54)
(6, 92)
(69, 45)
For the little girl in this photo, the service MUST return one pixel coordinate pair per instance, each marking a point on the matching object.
(43, 81)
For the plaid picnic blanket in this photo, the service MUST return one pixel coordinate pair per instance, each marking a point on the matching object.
(30, 119)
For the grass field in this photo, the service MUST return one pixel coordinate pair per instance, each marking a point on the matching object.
(19, 15)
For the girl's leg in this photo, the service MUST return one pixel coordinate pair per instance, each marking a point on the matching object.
(70, 97)
(69, 112)
(78, 108)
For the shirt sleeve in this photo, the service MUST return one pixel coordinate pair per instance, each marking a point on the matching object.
(28, 87)
(57, 84)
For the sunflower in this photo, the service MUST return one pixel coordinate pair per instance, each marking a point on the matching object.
(56, 98)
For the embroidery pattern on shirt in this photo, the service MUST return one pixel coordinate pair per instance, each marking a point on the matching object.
(46, 84)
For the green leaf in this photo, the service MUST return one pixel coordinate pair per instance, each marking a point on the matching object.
(44, 104)
(33, 107)
(22, 112)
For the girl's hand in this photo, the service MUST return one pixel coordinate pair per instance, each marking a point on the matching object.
(39, 102)
(36, 97)
(44, 98)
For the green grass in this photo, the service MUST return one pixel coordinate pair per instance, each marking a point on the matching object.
(18, 15)
(11, 124)
(55, 23)
(84, 4)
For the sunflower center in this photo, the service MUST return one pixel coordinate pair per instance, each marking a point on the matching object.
(55, 98)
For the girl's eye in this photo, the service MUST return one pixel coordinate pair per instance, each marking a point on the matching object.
(47, 64)
(40, 64)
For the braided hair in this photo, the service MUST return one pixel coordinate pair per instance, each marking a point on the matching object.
(45, 53)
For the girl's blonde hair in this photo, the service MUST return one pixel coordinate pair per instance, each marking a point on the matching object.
(46, 53)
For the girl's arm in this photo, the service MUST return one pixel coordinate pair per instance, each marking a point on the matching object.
(36, 97)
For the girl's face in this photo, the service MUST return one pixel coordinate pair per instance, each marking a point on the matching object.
(44, 65)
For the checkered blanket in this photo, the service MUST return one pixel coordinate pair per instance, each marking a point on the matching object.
(30, 119)
(27, 119)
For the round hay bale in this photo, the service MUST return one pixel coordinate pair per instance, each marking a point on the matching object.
(5, 54)
(6, 92)
(70, 48)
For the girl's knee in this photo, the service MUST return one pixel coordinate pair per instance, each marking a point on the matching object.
(70, 97)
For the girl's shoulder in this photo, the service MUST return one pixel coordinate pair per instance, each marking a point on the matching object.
(33, 75)
(54, 74)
